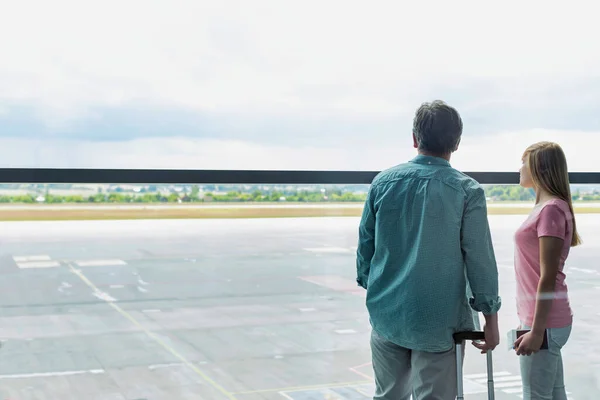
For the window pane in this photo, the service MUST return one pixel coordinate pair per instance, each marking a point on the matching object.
(244, 308)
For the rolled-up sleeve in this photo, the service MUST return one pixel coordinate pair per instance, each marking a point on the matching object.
(478, 254)
(366, 240)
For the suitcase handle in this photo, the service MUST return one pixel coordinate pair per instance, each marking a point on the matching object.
(459, 337)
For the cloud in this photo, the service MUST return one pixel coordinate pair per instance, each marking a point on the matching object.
(500, 152)
(503, 151)
(267, 55)
(327, 78)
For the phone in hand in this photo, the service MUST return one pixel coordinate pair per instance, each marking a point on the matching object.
(514, 334)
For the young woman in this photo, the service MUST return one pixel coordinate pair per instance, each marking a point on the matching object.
(542, 245)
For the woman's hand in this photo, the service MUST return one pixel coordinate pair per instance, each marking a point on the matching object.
(529, 343)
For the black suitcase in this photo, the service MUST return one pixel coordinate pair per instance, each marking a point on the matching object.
(459, 339)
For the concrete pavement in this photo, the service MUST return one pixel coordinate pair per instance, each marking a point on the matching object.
(226, 309)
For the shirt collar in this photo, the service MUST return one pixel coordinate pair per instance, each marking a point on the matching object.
(431, 160)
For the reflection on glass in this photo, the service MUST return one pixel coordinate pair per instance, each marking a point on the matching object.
(102, 301)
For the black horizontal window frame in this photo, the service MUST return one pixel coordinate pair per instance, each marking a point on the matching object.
(173, 176)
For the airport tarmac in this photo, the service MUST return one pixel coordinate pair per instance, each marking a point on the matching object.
(228, 309)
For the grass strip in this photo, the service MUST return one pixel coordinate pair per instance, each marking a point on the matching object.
(73, 214)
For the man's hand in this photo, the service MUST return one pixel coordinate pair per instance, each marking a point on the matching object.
(492, 336)
(529, 343)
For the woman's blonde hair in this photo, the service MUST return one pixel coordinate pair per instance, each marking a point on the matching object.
(548, 167)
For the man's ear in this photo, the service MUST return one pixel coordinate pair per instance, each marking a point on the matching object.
(457, 144)
(415, 143)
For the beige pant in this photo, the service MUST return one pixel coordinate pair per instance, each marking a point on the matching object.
(401, 372)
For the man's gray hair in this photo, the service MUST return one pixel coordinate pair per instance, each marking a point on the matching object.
(437, 128)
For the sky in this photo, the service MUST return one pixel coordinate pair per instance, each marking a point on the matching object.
(271, 84)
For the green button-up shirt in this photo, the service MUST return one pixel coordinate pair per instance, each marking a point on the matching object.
(425, 254)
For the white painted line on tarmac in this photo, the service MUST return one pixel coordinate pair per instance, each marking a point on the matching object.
(584, 270)
(513, 391)
(496, 374)
(171, 365)
(142, 290)
(38, 264)
(100, 263)
(504, 379)
(63, 286)
(308, 309)
(50, 374)
(345, 331)
(104, 296)
(31, 258)
(512, 384)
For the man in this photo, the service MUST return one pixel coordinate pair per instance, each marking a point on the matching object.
(425, 258)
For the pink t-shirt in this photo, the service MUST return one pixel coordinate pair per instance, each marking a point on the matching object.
(552, 218)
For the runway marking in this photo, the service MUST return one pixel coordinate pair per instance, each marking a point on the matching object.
(363, 365)
(172, 365)
(479, 376)
(307, 387)
(103, 296)
(157, 366)
(337, 283)
(63, 286)
(156, 338)
(99, 263)
(31, 258)
(308, 309)
(521, 395)
(49, 374)
(356, 371)
(584, 270)
(151, 311)
(503, 380)
(38, 264)
(345, 331)
(117, 286)
(332, 392)
(509, 380)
